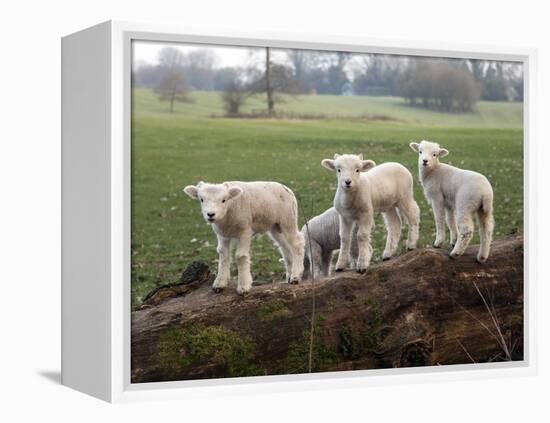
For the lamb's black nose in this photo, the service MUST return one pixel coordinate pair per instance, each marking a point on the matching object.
(348, 181)
(425, 161)
(211, 214)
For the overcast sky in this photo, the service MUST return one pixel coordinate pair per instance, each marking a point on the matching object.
(145, 51)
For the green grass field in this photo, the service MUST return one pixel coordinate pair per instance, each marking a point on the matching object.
(170, 151)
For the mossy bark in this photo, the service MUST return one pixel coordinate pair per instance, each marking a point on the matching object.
(419, 309)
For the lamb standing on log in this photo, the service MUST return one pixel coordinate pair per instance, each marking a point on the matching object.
(456, 195)
(238, 210)
(324, 233)
(387, 188)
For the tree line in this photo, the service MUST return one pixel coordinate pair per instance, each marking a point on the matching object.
(451, 85)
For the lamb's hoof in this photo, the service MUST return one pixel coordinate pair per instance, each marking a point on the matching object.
(243, 293)
(411, 248)
(437, 245)
(386, 258)
(454, 255)
(338, 270)
(217, 289)
(481, 259)
(361, 271)
(293, 281)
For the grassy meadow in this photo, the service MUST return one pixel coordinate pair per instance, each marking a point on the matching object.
(170, 151)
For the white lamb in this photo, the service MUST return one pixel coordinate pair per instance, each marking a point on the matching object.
(456, 195)
(239, 210)
(322, 237)
(387, 188)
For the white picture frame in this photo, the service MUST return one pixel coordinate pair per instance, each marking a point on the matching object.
(96, 65)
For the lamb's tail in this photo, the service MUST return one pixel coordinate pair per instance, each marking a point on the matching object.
(486, 206)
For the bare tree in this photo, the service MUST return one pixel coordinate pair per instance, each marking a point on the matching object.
(276, 79)
(173, 85)
(234, 96)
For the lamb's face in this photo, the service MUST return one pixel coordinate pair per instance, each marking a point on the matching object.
(428, 153)
(214, 199)
(348, 168)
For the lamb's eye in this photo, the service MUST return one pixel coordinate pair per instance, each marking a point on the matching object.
(357, 170)
(419, 152)
(202, 201)
(223, 201)
(434, 154)
(339, 170)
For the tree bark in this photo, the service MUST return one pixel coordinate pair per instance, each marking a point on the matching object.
(419, 309)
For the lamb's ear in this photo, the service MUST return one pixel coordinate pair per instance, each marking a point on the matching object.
(336, 156)
(366, 165)
(443, 152)
(192, 191)
(329, 164)
(414, 146)
(235, 191)
(360, 155)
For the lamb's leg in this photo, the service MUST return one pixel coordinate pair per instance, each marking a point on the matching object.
(244, 281)
(316, 259)
(313, 257)
(307, 266)
(326, 260)
(486, 225)
(346, 227)
(224, 264)
(393, 228)
(411, 211)
(354, 250)
(286, 252)
(366, 223)
(439, 215)
(296, 243)
(451, 224)
(465, 233)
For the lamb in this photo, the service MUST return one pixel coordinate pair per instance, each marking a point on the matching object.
(365, 189)
(456, 195)
(322, 238)
(239, 210)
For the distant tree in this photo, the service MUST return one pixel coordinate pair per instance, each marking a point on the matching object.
(439, 84)
(145, 75)
(275, 80)
(494, 84)
(298, 60)
(223, 77)
(234, 95)
(515, 79)
(306, 65)
(269, 83)
(478, 72)
(172, 86)
(376, 74)
(337, 76)
(200, 69)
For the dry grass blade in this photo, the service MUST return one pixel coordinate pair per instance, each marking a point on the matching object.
(492, 313)
(465, 350)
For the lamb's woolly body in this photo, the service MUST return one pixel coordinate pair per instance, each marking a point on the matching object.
(323, 233)
(262, 207)
(243, 209)
(456, 196)
(386, 189)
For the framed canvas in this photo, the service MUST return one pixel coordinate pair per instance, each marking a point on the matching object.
(272, 212)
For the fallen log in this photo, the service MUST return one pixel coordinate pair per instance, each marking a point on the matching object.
(419, 309)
